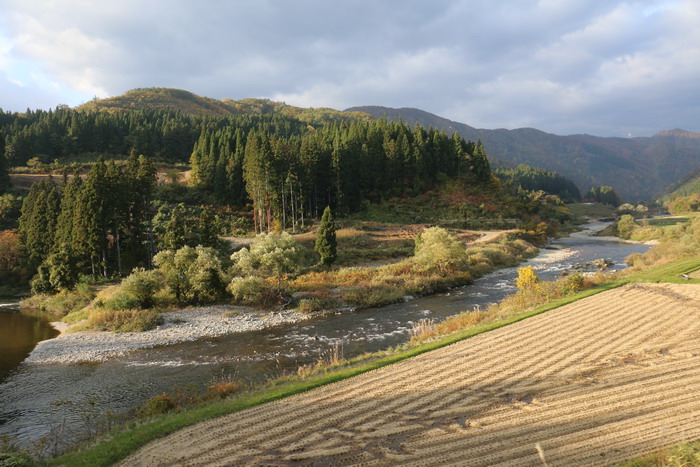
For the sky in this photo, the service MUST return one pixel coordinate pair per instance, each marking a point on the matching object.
(602, 67)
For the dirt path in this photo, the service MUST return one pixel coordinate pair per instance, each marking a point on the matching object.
(598, 381)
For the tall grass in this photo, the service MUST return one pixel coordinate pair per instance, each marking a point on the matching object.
(368, 287)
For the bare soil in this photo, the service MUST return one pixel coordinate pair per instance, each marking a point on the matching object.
(602, 380)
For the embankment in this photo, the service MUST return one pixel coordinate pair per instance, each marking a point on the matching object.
(598, 381)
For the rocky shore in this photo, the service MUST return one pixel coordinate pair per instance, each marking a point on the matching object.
(179, 326)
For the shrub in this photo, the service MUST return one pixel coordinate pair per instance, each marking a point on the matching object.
(252, 290)
(575, 282)
(625, 226)
(62, 303)
(193, 274)
(16, 460)
(142, 285)
(222, 389)
(436, 248)
(128, 320)
(527, 278)
(312, 305)
(272, 254)
(159, 404)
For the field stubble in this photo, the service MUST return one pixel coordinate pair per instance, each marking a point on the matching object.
(598, 381)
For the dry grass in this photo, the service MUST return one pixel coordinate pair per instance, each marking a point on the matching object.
(516, 304)
(120, 320)
(329, 359)
(374, 286)
(594, 382)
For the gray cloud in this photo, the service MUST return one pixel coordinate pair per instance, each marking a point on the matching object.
(603, 67)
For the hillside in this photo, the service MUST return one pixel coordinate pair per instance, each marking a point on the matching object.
(192, 104)
(637, 167)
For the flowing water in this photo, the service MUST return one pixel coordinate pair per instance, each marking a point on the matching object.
(36, 399)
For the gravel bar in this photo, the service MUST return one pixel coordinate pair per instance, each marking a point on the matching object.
(179, 326)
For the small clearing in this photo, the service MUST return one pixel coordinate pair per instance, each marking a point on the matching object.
(602, 380)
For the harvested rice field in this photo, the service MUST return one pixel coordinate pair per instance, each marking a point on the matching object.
(602, 380)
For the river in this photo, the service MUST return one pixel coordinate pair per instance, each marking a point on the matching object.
(37, 400)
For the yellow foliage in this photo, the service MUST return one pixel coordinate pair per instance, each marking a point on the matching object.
(527, 278)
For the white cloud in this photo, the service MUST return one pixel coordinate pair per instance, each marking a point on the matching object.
(577, 66)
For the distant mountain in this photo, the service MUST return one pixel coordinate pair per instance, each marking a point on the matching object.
(639, 168)
(190, 103)
(679, 133)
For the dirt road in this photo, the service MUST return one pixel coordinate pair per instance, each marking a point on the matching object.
(598, 381)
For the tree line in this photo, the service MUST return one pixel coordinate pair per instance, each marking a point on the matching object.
(534, 179)
(65, 133)
(98, 226)
(289, 179)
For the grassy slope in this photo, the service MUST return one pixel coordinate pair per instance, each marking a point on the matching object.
(125, 441)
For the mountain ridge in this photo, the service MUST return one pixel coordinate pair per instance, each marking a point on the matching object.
(190, 103)
(639, 168)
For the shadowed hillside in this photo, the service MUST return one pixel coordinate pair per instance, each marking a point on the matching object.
(637, 167)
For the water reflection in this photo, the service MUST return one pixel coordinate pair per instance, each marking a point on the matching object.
(19, 333)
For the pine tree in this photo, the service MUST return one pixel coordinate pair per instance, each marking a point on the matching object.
(326, 245)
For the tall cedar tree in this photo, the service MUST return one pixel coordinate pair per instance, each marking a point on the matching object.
(326, 245)
(37, 223)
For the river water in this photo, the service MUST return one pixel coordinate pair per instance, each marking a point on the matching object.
(36, 400)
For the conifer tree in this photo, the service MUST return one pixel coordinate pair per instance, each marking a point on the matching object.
(326, 245)
(91, 219)
(174, 237)
(37, 223)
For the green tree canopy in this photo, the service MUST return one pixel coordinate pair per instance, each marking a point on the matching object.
(326, 245)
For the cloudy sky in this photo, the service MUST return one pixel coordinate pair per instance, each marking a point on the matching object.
(604, 67)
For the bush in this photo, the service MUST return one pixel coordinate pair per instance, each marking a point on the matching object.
(574, 283)
(142, 285)
(222, 389)
(625, 226)
(253, 290)
(193, 274)
(312, 305)
(16, 460)
(272, 255)
(128, 320)
(436, 248)
(62, 303)
(527, 278)
(158, 405)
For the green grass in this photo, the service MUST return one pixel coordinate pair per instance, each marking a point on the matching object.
(124, 441)
(669, 272)
(595, 210)
(682, 455)
(667, 221)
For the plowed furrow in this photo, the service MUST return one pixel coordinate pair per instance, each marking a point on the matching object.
(601, 380)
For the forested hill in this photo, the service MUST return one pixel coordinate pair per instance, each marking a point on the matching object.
(637, 167)
(188, 103)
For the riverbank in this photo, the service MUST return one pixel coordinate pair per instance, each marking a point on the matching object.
(585, 395)
(178, 326)
(122, 443)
